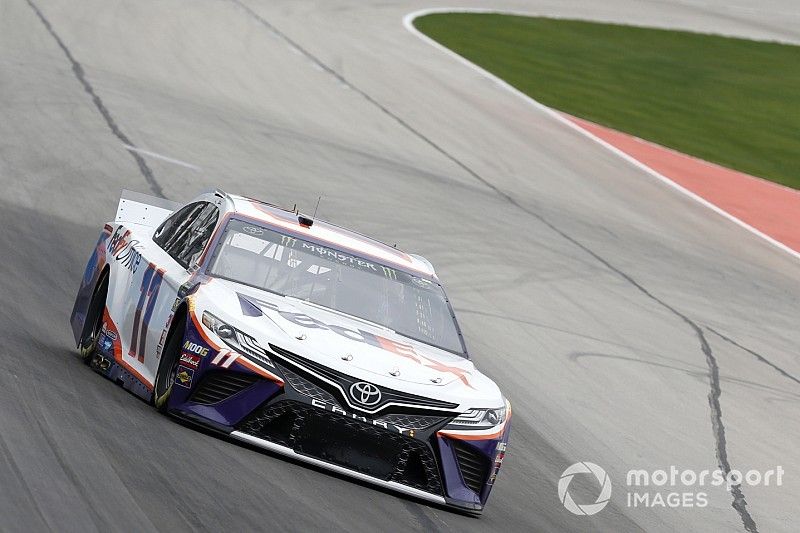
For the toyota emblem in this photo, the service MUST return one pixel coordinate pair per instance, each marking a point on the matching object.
(365, 393)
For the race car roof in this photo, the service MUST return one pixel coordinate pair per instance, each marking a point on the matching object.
(330, 233)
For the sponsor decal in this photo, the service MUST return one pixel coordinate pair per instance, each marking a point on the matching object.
(195, 348)
(253, 230)
(107, 332)
(106, 343)
(499, 455)
(359, 335)
(184, 376)
(389, 272)
(351, 260)
(280, 243)
(108, 339)
(163, 338)
(124, 250)
(190, 359)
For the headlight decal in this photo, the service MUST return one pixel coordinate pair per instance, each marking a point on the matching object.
(244, 349)
(473, 426)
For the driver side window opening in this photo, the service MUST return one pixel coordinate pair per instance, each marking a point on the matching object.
(184, 235)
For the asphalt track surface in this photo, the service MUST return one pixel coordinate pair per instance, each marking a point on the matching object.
(629, 326)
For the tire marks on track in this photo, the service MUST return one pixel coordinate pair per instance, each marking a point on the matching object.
(80, 74)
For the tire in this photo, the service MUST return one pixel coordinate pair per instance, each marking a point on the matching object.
(167, 367)
(94, 321)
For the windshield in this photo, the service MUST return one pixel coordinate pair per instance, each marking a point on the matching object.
(412, 306)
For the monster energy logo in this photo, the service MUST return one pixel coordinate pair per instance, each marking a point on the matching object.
(287, 241)
(389, 272)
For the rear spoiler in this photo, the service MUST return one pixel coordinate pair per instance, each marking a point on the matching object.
(138, 208)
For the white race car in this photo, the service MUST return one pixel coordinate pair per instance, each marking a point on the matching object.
(294, 335)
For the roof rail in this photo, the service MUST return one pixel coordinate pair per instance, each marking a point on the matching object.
(424, 261)
(216, 192)
(266, 203)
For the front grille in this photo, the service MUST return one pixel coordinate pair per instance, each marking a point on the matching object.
(344, 381)
(412, 421)
(473, 465)
(221, 385)
(305, 387)
(347, 442)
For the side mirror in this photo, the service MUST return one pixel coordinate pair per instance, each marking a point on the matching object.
(187, 288)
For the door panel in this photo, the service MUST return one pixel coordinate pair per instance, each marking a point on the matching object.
(147, 270)
(144, 282)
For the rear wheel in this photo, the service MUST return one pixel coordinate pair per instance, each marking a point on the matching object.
(94, 320)
(168, 366)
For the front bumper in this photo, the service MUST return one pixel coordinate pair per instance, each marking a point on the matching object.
(346, 442)
(301, 417)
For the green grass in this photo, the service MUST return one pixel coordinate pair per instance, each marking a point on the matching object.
(731, 101)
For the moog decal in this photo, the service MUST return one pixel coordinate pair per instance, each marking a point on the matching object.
(195, 348)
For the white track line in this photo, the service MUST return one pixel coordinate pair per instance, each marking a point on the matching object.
(162, 157)
(408, 22)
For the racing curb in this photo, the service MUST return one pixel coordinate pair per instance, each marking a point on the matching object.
(770, 209)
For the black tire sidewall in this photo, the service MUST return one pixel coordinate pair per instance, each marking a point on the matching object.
(169, 359)
(94, 318)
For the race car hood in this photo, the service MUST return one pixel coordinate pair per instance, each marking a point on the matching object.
(349, 345)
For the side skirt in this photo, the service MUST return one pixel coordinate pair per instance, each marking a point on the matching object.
(107, 367)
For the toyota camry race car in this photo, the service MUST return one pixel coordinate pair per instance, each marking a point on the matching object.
(294, 335)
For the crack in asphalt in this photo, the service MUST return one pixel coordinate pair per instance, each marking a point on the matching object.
(758, 356)
(344, 81)
(80, 74)
(718, 428)
(739, 502)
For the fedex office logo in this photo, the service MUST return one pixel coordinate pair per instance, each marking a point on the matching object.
(358, 335)
(124, 250)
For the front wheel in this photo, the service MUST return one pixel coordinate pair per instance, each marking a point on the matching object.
(168, 366)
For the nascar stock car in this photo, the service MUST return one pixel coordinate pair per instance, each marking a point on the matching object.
(293, 335)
